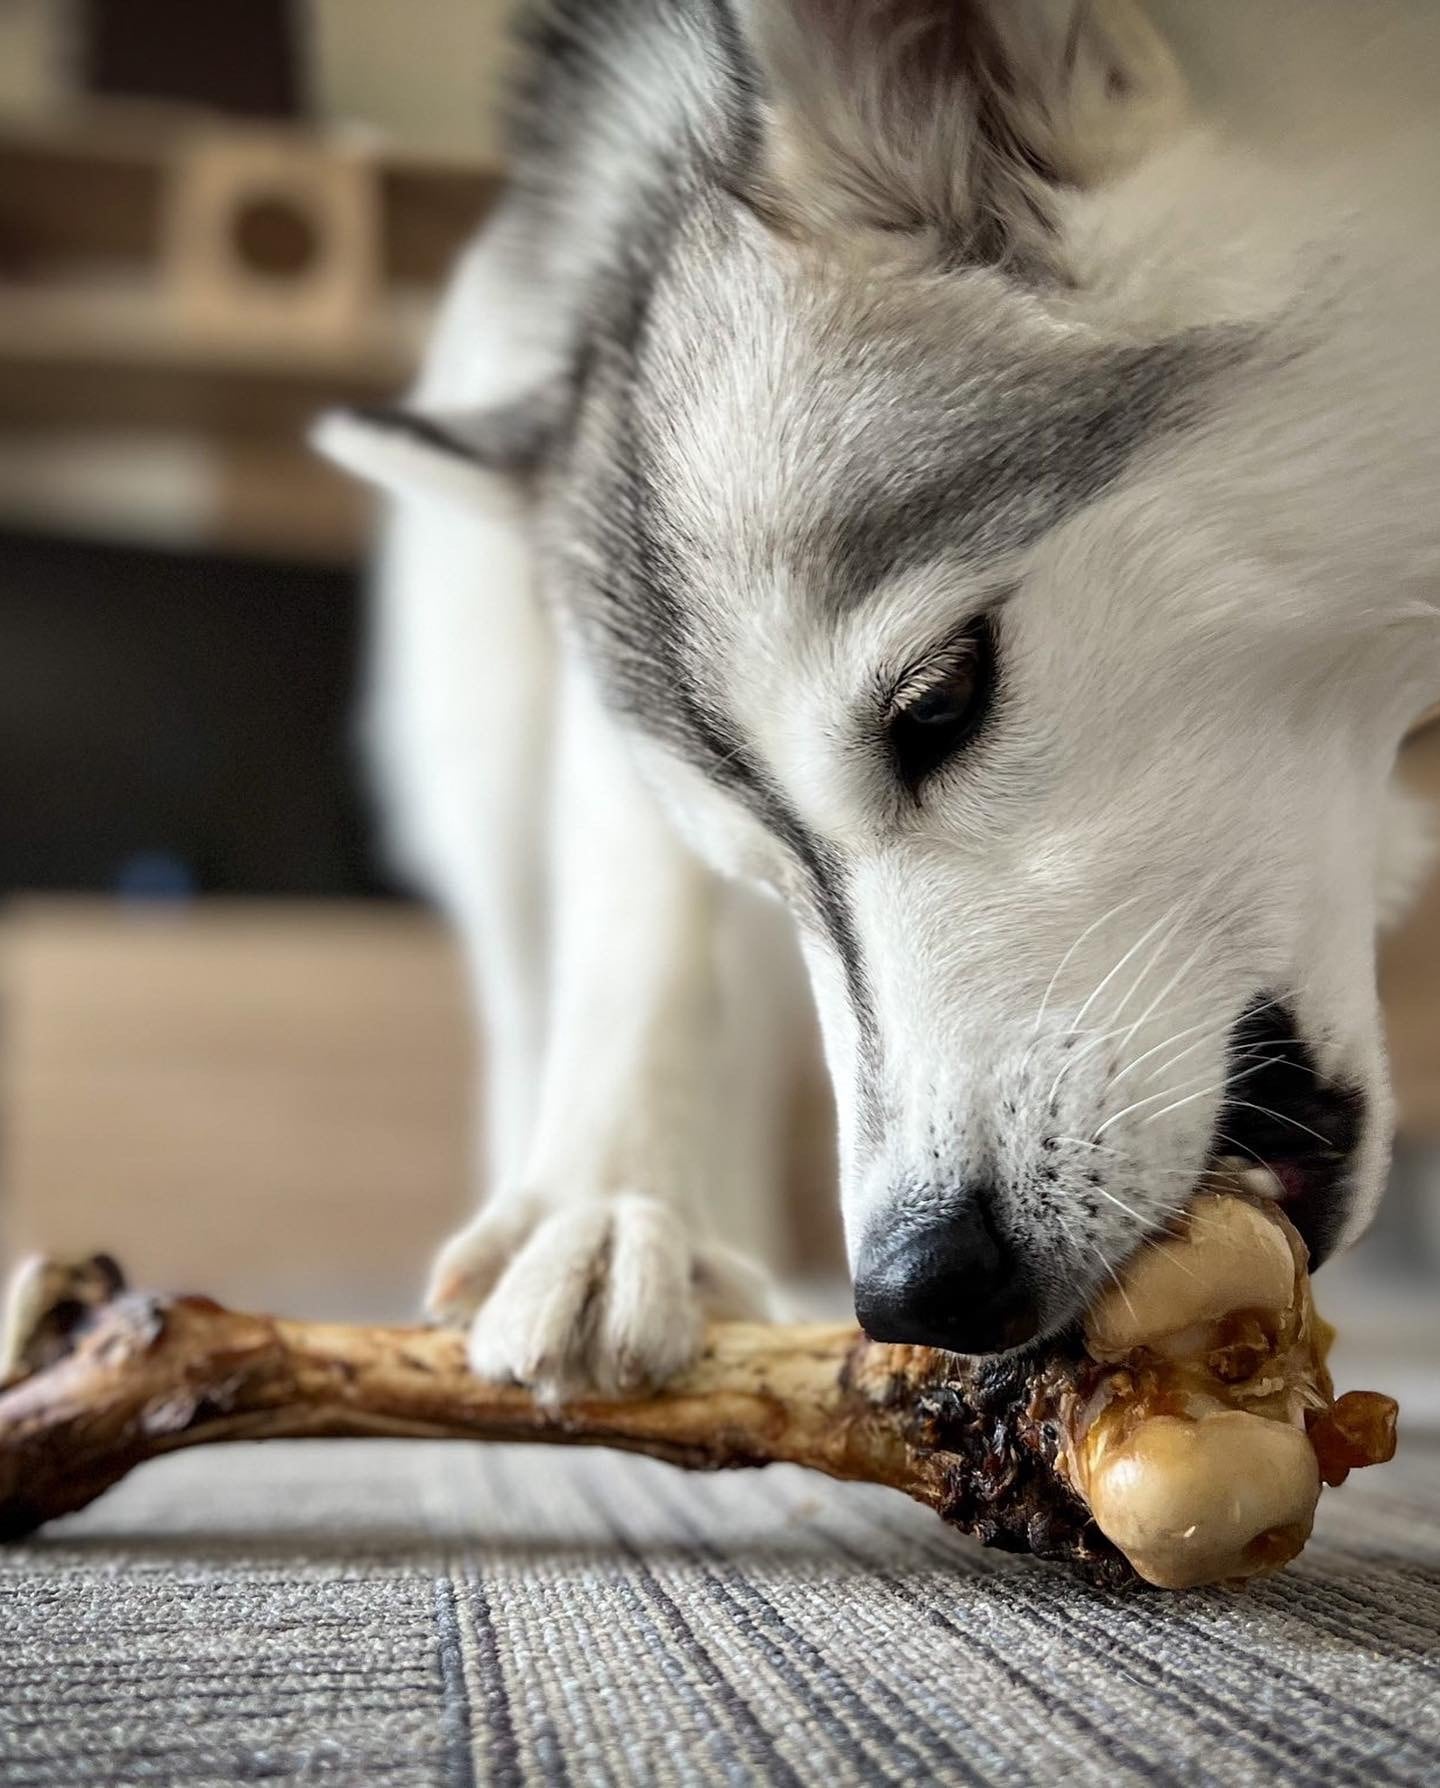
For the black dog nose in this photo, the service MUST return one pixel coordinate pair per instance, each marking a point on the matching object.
(951, 1282)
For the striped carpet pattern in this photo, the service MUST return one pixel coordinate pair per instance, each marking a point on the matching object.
(445, 1616)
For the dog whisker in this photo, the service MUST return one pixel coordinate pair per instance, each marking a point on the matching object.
(1256, 1057)
(1213, 1035)
(1165, 918)
(1113, 1276)
(1234, 1143)
(1169, 1173)
(1089, 931)
(1098, 1037)
(1280, 1061)
(1220, 1086)
(1149, 1173)
(1169, 986)
(1283, 1118)
(1260, 1054)
(1208, 1025)
(1089, 1030)
(1210, 1031)
(1189, 1099)
(1155, 959)
(1185, 908)
(1139, 1104)
(1200, 1042)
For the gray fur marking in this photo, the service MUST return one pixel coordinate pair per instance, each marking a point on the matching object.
(1011, 457)
(892, 426)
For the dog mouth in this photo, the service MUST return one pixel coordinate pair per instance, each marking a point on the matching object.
(1292, 1133)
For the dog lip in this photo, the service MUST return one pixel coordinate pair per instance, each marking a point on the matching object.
(1291, 1131)
(1308, 1191)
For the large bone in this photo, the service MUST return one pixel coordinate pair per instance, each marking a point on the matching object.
(1184, 1439)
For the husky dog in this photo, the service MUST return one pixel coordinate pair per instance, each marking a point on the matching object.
(968, 470)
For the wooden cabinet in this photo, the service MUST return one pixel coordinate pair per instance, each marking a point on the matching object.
(266, 1101)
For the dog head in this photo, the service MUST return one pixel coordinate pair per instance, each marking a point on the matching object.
(937, 576)
(958, 654)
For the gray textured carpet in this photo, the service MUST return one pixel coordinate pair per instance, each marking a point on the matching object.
(412, 1614)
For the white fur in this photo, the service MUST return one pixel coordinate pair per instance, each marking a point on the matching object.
(592, 934)
(1274, 581)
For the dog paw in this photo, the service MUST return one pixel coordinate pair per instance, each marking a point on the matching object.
(607, 1294)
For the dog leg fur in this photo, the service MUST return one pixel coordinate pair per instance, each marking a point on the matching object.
(459, 729)
(590, 1268)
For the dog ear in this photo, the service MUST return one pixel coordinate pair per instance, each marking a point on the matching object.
(952, 114)
(451, 454)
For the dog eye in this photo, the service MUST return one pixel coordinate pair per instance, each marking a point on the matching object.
(927, 728)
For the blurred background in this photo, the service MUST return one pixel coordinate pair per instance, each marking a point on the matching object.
(228, 1048)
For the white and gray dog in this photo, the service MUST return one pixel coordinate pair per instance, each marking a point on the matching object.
(940, 465)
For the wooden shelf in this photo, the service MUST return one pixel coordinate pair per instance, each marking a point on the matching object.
(111, 382)
(89, 184)
(127, 323)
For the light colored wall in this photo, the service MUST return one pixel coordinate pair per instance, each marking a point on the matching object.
(424, 72)
(35, 64)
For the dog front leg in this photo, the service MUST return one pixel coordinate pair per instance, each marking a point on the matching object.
(595, 1268)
